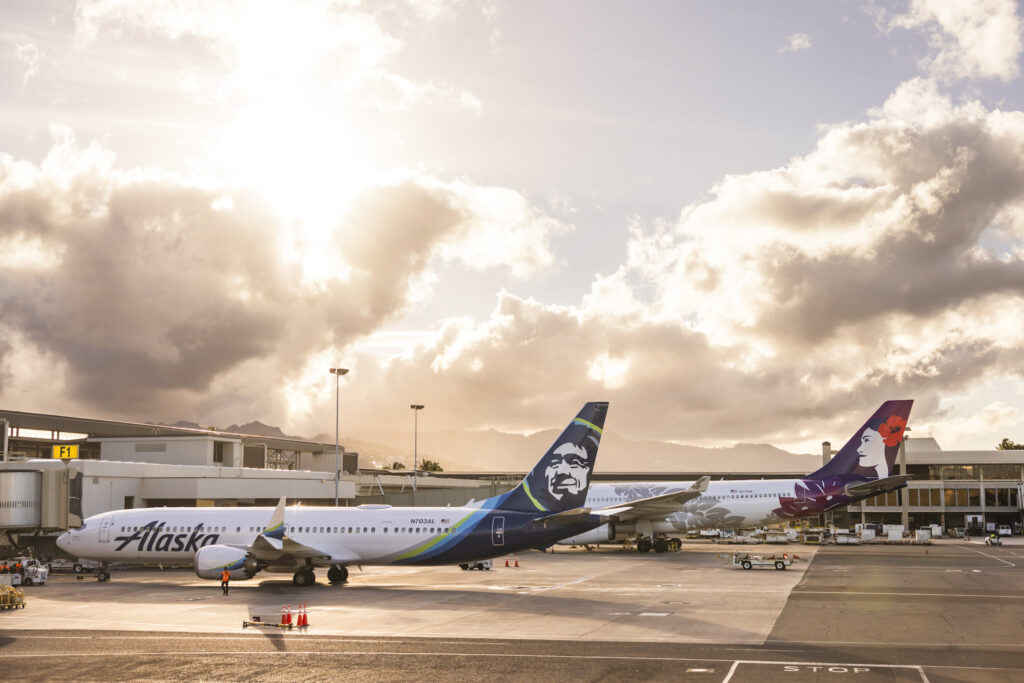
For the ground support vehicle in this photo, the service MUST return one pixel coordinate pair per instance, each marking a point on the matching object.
(76, 566)
(10, 596)
(32, 571)
(749, 561)
(481, 565)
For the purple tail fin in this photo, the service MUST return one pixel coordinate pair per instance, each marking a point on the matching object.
(871, 452)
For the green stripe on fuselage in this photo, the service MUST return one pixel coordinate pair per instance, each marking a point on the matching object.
(419, 550)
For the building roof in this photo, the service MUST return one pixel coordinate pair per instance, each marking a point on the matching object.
(110, 428)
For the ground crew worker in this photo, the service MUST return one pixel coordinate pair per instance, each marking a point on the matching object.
(225, 576)
(4, 569)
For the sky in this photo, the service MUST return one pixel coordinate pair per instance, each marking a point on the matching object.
(735, 221)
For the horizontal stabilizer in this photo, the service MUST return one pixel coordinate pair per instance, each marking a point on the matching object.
(574, 516)
(657, 506)
(870, 488)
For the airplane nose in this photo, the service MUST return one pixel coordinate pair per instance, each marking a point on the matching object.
(63, 540)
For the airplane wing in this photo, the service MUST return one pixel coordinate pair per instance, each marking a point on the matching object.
(870, 488)
(564, 518)
(656, 506)
(272, 545)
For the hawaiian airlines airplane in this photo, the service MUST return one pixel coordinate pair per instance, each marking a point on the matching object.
(862, 468)
(544, 507)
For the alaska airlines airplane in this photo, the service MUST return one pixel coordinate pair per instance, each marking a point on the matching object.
(862, 468)
(544, 507)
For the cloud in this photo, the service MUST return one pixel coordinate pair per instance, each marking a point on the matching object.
(28, 53)
(785, 306)
(156, 292)
(967, 39)
(796, 42)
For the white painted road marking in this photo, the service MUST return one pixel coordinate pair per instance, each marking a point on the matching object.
(828, 667)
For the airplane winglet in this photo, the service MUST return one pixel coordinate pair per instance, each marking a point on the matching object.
(275, 528)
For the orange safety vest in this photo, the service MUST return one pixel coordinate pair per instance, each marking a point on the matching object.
(225, 575)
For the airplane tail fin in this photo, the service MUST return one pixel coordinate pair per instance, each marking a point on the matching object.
(871, 452)
(561, 479)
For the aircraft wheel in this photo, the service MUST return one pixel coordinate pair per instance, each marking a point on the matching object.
(780, 565)
(746, 564)
(643, 545)
(660, 545)
(337, 574)
(304, 577)
(675, 544)
(464, 566)
(103, 577)
(78, 569)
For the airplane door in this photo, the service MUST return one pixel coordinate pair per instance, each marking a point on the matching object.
(105, 531)
(498, 531)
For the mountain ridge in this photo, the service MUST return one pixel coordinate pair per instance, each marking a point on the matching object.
(492, 450)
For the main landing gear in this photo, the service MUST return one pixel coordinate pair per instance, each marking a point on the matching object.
(103, 573)
(337, 575)
(658, 545)
(304, 577)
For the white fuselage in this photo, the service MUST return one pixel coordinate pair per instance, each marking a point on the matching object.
(349, 535)
(735, 504)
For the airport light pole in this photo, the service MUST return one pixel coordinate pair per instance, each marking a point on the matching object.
(337, 372)
(905, 506)
(416, 408)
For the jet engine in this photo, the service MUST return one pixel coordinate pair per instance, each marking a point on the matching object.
(602, 534)
(211, 560)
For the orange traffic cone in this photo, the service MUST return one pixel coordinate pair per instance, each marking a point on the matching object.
(284, 616)
(305, 615)
(506, 561)
(517, 560)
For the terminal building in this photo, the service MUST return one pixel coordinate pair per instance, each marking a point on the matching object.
(973, 490)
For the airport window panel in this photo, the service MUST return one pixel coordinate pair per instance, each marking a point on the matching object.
(1001, 471)
(974, 497)
(1013, 497)
(912, 497)
(990, 497)
(1001, 498)
(961, 472)
(950, 498)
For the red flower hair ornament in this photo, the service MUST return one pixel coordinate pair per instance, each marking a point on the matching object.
(892, 430)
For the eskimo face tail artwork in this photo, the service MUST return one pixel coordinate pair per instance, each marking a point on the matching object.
(562, 477)
(871, 451)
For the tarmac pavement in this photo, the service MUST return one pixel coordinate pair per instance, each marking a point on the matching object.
(946, 612)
